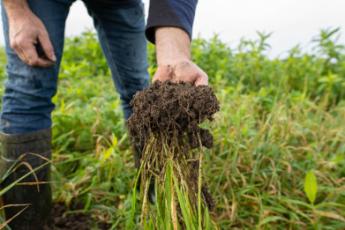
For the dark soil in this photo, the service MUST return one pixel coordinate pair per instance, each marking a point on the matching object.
(171, 113)
(173, 110)
(63, 220)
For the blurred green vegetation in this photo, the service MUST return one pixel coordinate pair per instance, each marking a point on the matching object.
(279, 137)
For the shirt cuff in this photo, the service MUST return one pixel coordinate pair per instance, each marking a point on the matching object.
(170, 13)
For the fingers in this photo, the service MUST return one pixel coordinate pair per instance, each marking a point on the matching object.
(47, 46)
(163, 73)
(182, 72)
(202, 79)
(190, 72)
(28, 54)
(31, 57)
(196, 78)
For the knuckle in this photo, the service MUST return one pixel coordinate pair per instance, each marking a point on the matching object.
(42, 32)
(20, 41)
(30, 58)
(32, 62)
(204, 75)
(157, 78)
(14, 44)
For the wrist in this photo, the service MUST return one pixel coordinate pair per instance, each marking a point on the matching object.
(16, 9)
(172, 46)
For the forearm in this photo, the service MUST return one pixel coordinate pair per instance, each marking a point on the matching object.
(15, 8)
(172, 45)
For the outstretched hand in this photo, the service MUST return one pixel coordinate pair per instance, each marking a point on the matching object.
(173, 58)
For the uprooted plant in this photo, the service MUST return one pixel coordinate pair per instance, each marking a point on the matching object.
(165, 123)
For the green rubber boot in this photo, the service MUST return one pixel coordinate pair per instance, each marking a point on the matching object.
(18, 154)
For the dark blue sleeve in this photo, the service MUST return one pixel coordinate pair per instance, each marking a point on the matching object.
(174, 13)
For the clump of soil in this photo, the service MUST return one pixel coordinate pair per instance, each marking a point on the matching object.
(173, 110)
(165, 125)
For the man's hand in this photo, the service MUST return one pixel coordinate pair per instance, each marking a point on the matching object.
(28, 36)
(173, 58)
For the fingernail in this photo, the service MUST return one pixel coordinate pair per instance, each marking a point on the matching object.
(53, 57)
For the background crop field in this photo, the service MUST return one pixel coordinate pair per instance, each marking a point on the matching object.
(279, 155)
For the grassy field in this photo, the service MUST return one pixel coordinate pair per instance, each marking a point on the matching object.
(279, 155)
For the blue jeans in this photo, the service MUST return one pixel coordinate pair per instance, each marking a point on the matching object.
(27, 100)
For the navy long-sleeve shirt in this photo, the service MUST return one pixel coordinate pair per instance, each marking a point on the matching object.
(162, 13)
(175, 13)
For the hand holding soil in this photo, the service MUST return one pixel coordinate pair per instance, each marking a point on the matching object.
(183, 71)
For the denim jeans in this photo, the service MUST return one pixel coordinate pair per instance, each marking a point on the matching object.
(27, 100)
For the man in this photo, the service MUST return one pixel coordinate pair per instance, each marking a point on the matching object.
(34, 35)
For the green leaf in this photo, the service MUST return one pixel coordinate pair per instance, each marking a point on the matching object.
(310, 186)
